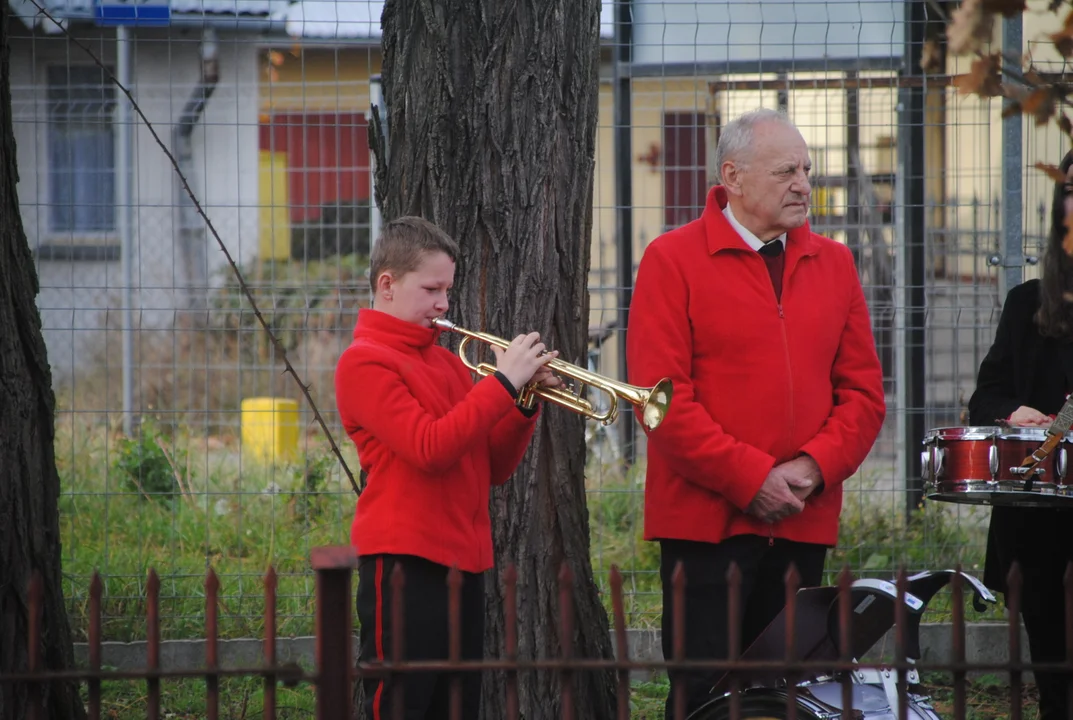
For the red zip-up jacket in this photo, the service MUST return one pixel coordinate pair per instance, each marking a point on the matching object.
(757, 381)
(432, 441)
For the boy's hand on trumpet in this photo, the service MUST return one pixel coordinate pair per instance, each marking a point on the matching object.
(546, 378)
(523, 359)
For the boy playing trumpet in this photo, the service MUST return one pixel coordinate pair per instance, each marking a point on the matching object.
(432, 442)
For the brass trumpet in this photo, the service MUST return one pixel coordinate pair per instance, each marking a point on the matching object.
(653, 402)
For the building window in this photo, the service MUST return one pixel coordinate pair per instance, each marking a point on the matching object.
(81, 150)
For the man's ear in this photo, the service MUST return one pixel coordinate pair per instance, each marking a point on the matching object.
(731, 174)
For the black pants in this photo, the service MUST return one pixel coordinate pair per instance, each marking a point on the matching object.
(763, 566)
(1035, 538)
(426, 695)
(1043, 613)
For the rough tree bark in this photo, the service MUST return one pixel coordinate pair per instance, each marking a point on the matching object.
(492, 135)
(29, 483)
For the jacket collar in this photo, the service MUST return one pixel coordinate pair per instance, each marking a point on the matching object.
(721, 235)
(389, 330)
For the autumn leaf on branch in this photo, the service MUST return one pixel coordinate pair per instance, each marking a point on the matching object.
(1051, 171)
(1009, 8)
(970, 27)
(1040, 103)
(931, 57)
(1066, 126)
(983, 79)
(1063, 39)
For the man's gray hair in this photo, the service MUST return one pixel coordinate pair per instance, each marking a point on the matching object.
(737, 136)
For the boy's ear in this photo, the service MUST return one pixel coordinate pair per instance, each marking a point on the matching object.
(384, 281)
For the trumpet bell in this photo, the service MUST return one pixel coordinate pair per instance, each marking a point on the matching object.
(656, 404)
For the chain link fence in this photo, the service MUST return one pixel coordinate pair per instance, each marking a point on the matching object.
(183, 444)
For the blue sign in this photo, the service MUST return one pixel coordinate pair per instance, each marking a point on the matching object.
(144, 13)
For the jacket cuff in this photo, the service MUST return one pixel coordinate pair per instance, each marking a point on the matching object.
(507, 384)
(742, 489)
(815, 449)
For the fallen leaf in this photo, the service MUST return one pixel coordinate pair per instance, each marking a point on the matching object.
(1040, 103)
(983, 78)
(970, 27)
(1009, 8)
(931, 57)
(1053, 172)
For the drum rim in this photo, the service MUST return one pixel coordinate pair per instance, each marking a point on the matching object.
(987, 432)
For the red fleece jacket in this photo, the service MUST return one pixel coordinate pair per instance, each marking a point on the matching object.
(431, 440)
(757, 381)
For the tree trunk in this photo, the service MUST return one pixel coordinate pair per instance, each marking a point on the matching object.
(492, 110)
(29, 483)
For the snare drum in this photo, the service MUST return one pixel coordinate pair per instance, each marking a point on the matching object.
(978, 466)
(816, 701)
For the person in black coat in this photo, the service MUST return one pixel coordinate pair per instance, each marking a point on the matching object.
(1023, 381)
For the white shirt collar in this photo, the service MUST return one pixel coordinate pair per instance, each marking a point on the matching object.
(751, 240)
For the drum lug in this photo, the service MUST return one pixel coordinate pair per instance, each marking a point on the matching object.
(992, 460)
(925, 464)
(1062, 464)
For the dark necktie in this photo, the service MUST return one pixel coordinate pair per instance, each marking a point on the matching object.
(771, 249)
(774, 258)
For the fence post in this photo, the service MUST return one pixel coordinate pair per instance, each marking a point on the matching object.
(334, 627)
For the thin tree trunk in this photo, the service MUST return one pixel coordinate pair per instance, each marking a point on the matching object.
(492, 134)
(29, 483)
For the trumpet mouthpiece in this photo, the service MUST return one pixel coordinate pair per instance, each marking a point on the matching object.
(443, 323)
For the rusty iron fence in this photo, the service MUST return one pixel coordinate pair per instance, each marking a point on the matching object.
(815, 644)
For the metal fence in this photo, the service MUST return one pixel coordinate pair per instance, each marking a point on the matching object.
(809, 663)
(181, 441)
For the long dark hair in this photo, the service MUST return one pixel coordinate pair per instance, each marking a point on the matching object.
(1055, 316)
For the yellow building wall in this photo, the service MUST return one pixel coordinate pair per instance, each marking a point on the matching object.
(317, 79)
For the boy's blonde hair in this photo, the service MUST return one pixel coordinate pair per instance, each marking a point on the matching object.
(404, 242)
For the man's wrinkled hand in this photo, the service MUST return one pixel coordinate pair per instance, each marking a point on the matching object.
(776, 499)
(803, 476)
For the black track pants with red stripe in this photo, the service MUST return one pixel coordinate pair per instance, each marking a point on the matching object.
(423, 696)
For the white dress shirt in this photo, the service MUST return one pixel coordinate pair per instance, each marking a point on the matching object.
(751, 240)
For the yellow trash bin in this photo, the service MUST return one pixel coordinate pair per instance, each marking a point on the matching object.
(270, 429)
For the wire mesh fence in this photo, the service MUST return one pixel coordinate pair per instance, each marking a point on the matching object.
(183, 444)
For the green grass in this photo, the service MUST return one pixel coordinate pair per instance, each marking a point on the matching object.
(987, 698)
(236, 524)
(239, 699)
(239, 518)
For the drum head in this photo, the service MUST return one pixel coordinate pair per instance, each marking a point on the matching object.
(760, 704)
(1028, 434)
(971, 432)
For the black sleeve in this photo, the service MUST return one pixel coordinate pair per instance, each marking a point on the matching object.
(995, 395)
(528, 412)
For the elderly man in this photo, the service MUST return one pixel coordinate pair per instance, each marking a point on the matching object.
(763, 327)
